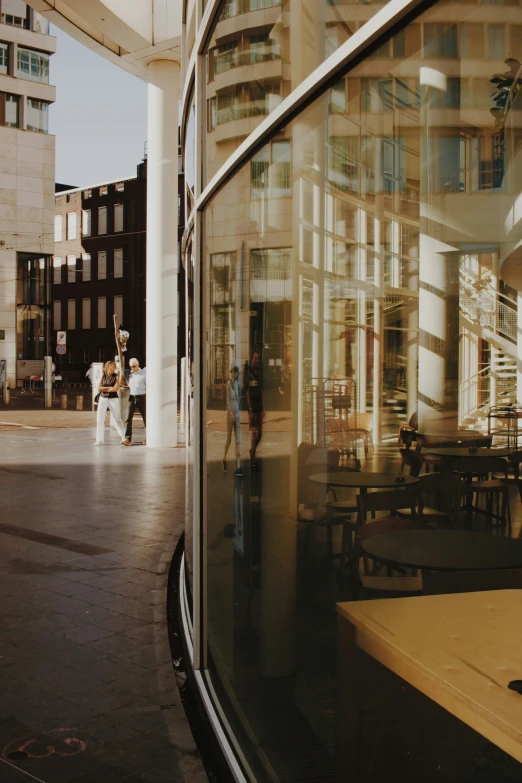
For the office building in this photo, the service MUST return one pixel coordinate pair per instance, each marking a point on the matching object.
(26, 186)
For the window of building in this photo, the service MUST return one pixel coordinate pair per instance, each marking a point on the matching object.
(104, 189)
(102, 220)
(102, 265)
(118, 263)
(118, 217)
(9, 110)
(262, 48)
(71, 225)
(271, 171)
(72, 356)
(440, 40)
(4, 58)
(15, 13)
(226, 57)
(86, 267)
(87, 193)
(102, 312)
(57, 314)
(86, 222)
(86, 313)
(57, 270)
(86, 356)
(119, 186)
(33, 65)
(71, 269)
(58, 228)
(71, 314)
(496, 41)
(118, 308)
(101, 354)
(37, 116)
(70, 197)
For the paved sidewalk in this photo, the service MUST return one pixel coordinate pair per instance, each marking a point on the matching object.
(87, 686)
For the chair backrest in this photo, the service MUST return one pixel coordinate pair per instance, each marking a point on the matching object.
(389, 500)
(440, 582)
(515, 458)
(361, 421)
(378, 526)
(483, 465)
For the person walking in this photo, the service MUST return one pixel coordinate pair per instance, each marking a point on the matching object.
(108, 398)
(137, 381)
(256, 406)
(233, 418)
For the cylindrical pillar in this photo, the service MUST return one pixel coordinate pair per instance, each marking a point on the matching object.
(6, 393)
(48, 381)
(79, 403)
(162, 253)
(63, 402)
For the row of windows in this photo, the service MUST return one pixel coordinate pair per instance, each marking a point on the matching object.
(84, 267)
(103, 190)
(71, 230)
(30, 64)
(16, 13)
(36, 111)
(86, 313)
(70, 356)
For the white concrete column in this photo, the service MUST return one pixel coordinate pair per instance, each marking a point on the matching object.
(162, 253)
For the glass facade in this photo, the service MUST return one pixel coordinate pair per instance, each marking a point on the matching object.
(33, 306)
(351, 279)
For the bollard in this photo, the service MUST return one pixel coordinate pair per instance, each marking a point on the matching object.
(79, 403)
(63, 402)
(6, 393)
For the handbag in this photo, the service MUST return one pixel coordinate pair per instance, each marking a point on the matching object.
(96, 399)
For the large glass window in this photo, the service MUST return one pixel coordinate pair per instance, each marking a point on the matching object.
(57, 314)
(71, 314)
(118, 263)
(15, 13)
(33, 65)
(86, 222)
(118, 217)
(102, 312)
(9, 110)
(58, 220)
(86, 267)
(71, 269)
(71, 225)
(102, 264)
(352, 283)
(57, 270)
(37, 115)
(102, 220)
(86, 313)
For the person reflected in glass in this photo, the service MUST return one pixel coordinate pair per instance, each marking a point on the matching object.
(108, 398)
(256, 407)
(233, 419)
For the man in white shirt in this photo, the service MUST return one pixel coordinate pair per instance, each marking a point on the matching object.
(137, 381)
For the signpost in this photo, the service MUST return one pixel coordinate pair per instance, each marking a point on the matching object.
(61, 350)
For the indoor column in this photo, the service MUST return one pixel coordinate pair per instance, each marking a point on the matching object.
(162, 253)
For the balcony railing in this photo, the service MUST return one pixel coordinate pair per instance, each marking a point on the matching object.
(235, 7)
(240, 111)
(225, 61)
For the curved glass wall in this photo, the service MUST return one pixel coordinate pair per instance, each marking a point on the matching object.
(260, 50)
(352, 281)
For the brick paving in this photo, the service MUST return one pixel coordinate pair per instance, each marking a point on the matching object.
(87, 685)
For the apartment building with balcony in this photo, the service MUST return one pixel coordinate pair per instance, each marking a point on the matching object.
(26, 185)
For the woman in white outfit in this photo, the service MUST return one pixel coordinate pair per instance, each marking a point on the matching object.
(108, 398)
(233, 419)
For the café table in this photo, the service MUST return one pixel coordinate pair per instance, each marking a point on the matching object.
(363, 481)
(452, 453)
(421, 678)
(444, 550)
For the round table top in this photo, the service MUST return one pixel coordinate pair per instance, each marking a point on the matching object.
(457, 436)
(464, 451)
(445, 550)
(363, 480)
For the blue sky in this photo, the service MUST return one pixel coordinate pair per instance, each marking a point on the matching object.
(99, 118)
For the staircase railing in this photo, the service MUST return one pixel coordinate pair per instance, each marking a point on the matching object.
(475, 392)
(501, 314)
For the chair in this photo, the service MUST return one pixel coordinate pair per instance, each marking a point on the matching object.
(412, 460)
(493, 488)
(408, 432)
(441, 582)
(360, 427)
(389, 501)
(438, 498)
(513, 471)
(310, 497)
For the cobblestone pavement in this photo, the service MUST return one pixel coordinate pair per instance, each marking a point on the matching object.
(87, 686)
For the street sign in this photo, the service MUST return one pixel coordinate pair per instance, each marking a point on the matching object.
(61, 338)
(53, 367)
(61, 350)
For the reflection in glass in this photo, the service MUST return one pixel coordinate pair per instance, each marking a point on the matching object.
(360, 255)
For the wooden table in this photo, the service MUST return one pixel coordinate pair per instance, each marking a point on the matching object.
(458, 452)
(445, 550)
(364, 481)
(421, 678)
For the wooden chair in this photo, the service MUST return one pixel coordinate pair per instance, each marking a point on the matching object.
(408, 432)
(441, 582)
(389, 501)
(514, 476)
(494, 489)
(360, 427)
(438, 499)
(412, 460)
